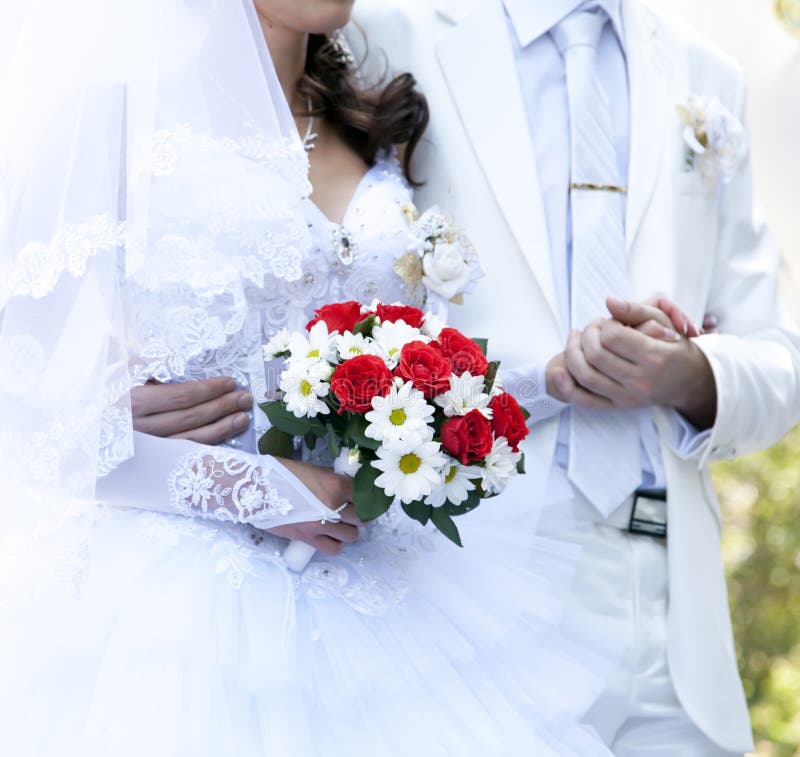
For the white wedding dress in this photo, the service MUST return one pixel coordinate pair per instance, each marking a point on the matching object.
(191, 637)
(155, 224)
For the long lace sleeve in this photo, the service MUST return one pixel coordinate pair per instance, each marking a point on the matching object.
(216, 483)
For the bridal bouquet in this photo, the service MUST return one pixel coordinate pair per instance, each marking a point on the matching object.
(408, 407)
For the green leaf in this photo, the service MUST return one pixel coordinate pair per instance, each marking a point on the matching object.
(525, 414)
(276, 442)
(419, 511)
(446, 525)
(365, 327)
(355, 433)
(371, 502)
(310, 440)
(470, 503)
(333, 442)
(521, 465)
(483, 344)
(286, 421)
(491, 375)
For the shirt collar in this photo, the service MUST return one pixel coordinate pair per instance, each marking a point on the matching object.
(532, 19)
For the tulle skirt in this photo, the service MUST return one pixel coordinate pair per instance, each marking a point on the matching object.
(191, 638)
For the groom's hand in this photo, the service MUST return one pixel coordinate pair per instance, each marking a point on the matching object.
(676, 375)
(615, 364)
(660, 319)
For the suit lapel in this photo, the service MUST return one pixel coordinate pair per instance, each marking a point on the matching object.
(478, 63)
(649, 73)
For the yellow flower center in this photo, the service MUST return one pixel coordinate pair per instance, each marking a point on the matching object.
(313, 353)
(410, 464)
(393, 351)
(398, 416)
(305, 388)
(451, 474)
(355, 351)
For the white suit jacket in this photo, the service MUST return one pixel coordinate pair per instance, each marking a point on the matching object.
(706, 250)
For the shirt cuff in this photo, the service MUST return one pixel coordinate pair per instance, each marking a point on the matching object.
(686, 441)
(529, 386)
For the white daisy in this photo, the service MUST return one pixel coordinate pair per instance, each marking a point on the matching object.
(317, 344)
(432, 325)
(303, 386)
(401, 414)
(500, 466)
(392, 337)
(410, 470)
(466, 393)
(348, 463)
(277, 345)
(350, 345)
(457, 483)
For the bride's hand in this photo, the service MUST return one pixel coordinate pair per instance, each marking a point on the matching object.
(208, 412)
(333, 491)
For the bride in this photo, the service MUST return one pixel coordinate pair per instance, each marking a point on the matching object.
(157, 226)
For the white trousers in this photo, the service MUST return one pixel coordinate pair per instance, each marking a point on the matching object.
(622, 592)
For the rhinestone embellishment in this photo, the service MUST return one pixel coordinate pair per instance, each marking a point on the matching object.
(343, 246)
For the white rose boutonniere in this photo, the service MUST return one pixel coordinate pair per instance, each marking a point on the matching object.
(441, 265)
(716, 141)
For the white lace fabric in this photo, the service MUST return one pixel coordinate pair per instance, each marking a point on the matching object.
(163, 231)
(227, 486)
(148, 190)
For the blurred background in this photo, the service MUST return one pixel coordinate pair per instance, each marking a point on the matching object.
(761, 493)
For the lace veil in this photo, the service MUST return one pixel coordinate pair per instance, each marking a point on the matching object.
(112, 113)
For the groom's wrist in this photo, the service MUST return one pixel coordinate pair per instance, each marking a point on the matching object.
(696, 390)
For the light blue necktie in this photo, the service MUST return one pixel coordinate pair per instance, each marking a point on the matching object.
(604, 446)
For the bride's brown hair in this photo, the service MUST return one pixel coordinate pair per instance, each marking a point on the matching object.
(370, 119)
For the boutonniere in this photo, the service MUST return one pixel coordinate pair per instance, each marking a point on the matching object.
(716, 141)
(441, 265)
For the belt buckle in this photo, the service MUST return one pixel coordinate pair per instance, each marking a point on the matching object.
(649, 513)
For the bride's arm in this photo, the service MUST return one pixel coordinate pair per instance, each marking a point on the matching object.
(182, 477)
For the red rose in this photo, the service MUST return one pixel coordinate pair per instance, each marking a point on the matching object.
(464, 355)
(341, 316)
(356, 381)
(425, 367)
(469, 437)
(391, 313)
(508, 420)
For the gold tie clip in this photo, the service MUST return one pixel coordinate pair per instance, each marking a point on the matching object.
(598, 187)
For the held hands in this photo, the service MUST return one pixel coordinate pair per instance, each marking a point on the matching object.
(640, 357)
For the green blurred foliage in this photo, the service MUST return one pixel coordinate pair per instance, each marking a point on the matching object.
(760, 497)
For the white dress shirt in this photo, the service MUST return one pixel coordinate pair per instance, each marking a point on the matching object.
(543, 82)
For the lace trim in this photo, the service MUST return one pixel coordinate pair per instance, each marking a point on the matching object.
(39, 265)
(178, 145)
(226, 487)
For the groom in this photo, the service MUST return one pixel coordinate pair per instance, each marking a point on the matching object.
(557, 144)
